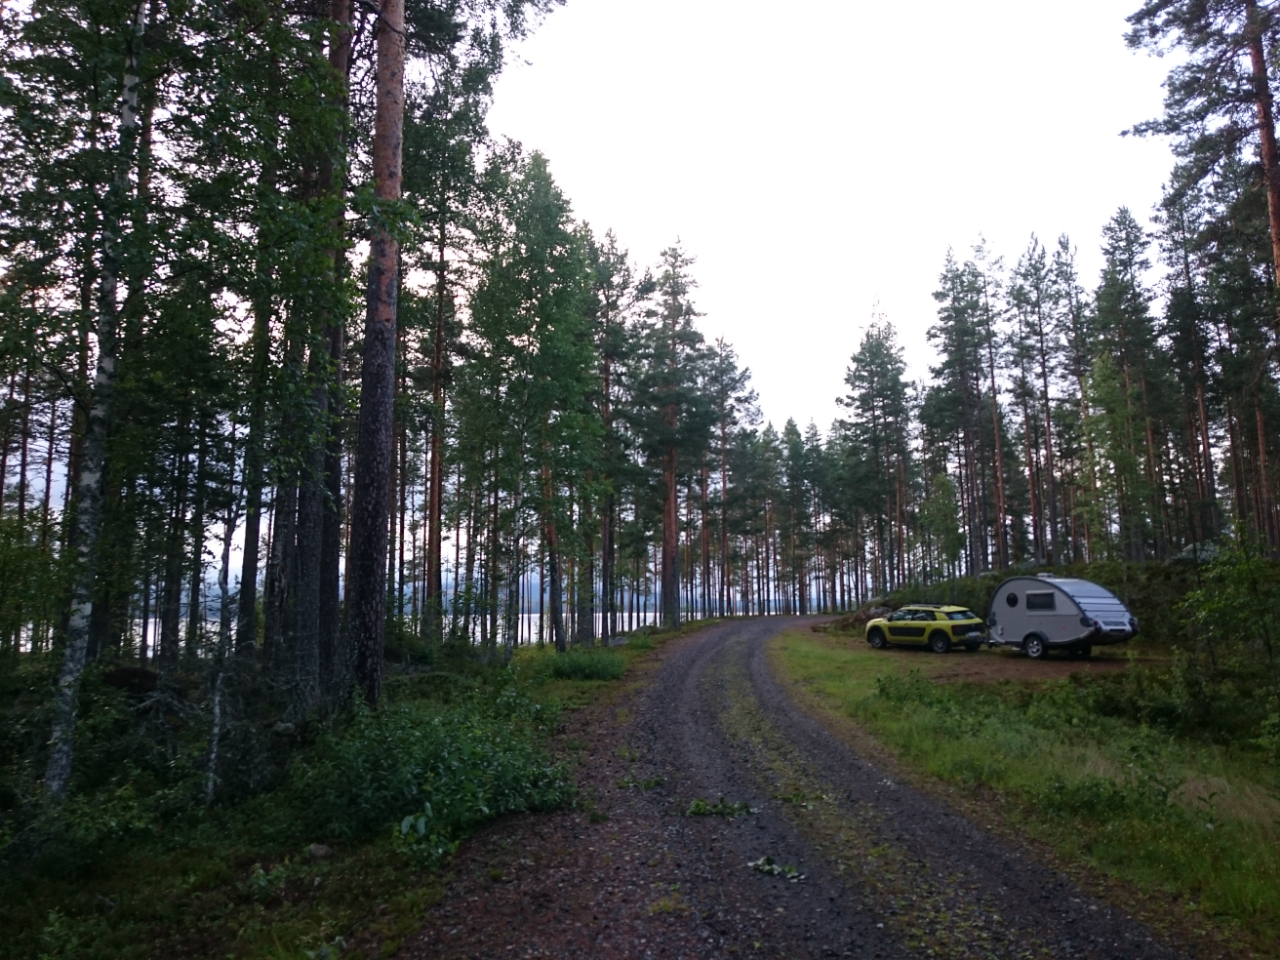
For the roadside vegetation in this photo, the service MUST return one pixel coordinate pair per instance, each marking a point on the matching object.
(346, 843)
(1164, 774)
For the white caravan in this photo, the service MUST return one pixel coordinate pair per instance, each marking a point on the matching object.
(1046, 613)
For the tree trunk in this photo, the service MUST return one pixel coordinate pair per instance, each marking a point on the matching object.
(1050, 467)
(254, 459)
(670, 542)
(305, 685)
(608, 518)
(553, 562)
(585, 598)
(195, 622)
(171, 596)
(1266, 130)
(88, 514)
(433, 606)
(333, 183)
(367, 562)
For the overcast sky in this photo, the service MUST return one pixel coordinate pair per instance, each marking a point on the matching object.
(819, 158)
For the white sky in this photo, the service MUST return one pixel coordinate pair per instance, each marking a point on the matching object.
(819, 158)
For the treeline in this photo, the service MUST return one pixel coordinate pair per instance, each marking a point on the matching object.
(1061, 425)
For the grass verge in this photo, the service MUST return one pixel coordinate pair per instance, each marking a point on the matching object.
(1128, 788)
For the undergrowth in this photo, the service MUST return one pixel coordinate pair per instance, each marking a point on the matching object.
(135, 864)
(587, 665)
(323, 835)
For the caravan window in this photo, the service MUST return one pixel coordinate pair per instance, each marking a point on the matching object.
(1041, 601)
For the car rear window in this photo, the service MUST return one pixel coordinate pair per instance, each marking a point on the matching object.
(961, 615)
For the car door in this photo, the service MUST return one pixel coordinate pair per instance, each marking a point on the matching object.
(900, 625)
(922, 623)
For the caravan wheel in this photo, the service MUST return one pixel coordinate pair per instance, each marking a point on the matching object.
(1034, 646)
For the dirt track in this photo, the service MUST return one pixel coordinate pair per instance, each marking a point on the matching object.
(887, 871)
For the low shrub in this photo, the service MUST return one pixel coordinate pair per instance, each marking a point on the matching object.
(641, 641)
(588, 665)
(435, 773)
(1089, 797)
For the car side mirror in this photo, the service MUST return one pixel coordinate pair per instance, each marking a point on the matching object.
(991, 620)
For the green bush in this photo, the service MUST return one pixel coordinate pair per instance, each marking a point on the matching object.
(972, 592)
(640, 641)
(588, 665)
(436, 774)
(1090, 797)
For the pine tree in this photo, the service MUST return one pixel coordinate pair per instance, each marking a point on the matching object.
(877, 428)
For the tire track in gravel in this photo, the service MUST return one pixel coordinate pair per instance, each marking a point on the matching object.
(889, 871)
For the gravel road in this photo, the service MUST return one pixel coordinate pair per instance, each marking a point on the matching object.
(861, 865)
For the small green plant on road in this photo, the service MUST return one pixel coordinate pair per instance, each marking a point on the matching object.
(701, 808)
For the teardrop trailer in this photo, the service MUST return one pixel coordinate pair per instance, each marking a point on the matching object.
(1044, 613)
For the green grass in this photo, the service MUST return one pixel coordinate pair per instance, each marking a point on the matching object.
(1130, 786)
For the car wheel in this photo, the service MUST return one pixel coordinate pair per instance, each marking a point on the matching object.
(876, 639)
(1034, 647)
(939, 642)
(972, 646)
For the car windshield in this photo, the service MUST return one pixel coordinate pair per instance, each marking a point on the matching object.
(961, 615)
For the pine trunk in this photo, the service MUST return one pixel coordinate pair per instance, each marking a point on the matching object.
(367, 562)
(254, 459)
(670, 542)
(1266, 129)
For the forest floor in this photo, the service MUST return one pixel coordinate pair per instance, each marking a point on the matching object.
(720, 818)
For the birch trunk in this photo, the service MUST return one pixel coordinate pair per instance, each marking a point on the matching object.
(87, 522)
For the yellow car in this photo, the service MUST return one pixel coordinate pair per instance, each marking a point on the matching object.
(939, 626)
